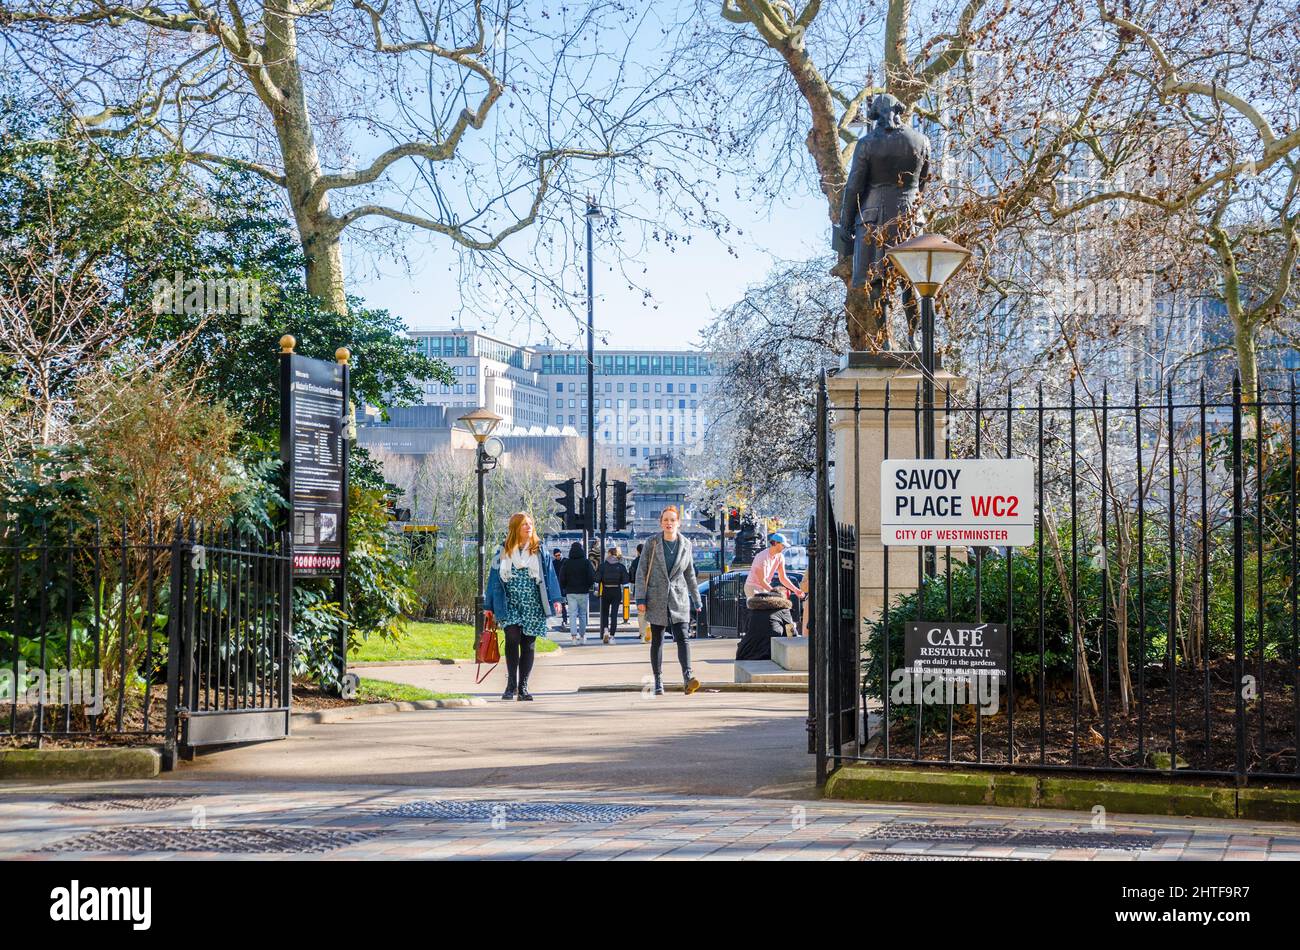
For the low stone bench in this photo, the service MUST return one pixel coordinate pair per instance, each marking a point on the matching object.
(790, 653)
(765, 671)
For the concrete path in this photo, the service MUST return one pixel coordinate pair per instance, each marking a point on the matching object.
(205, 820)
(706, 744)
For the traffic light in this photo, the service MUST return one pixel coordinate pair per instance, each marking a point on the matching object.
(709, 524)
(568, 511)
(622, 513)
(733, 519)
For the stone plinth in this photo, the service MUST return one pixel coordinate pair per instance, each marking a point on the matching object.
(790, 653)
(858, 446)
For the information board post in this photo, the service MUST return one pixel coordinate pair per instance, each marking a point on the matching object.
(314, 426)
(343, 357)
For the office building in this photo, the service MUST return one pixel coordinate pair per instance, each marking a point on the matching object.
(648, 402)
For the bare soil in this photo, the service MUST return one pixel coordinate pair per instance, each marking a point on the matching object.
(1114, 738)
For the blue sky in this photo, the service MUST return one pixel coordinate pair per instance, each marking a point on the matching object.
(687, 286)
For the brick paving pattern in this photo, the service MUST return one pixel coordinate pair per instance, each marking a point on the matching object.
(234, 820)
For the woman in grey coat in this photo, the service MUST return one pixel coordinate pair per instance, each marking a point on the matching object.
(665, 593)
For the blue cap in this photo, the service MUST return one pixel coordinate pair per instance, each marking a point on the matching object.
(775, 538)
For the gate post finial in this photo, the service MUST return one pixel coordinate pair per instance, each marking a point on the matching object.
(287, 343)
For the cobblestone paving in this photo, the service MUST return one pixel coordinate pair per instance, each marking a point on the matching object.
(241, 820)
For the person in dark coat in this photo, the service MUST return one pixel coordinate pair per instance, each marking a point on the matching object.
(769, 616)
(631, 573)
(576, 577)
(613, 577)
(635, 563)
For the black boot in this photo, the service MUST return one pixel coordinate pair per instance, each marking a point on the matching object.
(524, 695)
(659, 685)
(510, 689)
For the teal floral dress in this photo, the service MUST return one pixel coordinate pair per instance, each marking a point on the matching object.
(523, 606)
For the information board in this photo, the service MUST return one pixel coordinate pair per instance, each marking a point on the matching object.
(313, 445)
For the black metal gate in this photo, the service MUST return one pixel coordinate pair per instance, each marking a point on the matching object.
(119, 631)
(229, 634)
(728, 615)
(834, 680)
(1153, 626)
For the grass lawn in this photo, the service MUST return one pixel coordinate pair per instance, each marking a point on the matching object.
(430, 641)
(377, 691)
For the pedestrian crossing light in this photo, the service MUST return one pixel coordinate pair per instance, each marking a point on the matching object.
(622, 507)
(567, 500)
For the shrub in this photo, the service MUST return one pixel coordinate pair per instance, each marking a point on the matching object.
(930, 603)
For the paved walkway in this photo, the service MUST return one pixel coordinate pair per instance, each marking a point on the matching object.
(711, 743)
(198, 819)
(589, 775)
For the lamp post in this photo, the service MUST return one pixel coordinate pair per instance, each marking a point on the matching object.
(928, 261)
(481, 422)
(589, 483)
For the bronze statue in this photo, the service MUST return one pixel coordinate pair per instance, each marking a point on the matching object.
(881, 197)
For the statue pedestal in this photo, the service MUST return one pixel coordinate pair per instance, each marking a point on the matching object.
(858, 447)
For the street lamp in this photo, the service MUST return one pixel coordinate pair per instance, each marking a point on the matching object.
(481, 422)
(588, 489)
(928, 261)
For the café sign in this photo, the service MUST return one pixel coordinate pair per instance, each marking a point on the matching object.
(956, 649)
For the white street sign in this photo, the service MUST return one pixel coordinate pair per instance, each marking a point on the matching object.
(957, 503)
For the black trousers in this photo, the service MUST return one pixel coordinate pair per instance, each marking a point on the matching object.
(609, 612)
(520, 651)
(679, 631)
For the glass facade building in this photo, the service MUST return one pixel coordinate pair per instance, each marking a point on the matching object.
(647, 402)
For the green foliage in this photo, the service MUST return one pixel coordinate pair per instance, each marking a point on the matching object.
(42, 491)
(444, 579)
(105, 202)
(236, 356)
(379, 592)
(316, 622)
(136, 217)
(930, 603)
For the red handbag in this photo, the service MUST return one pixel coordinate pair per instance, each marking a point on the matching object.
(488, 650)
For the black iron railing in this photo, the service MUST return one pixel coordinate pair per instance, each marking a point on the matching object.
(121, 632)
(1153, 624)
